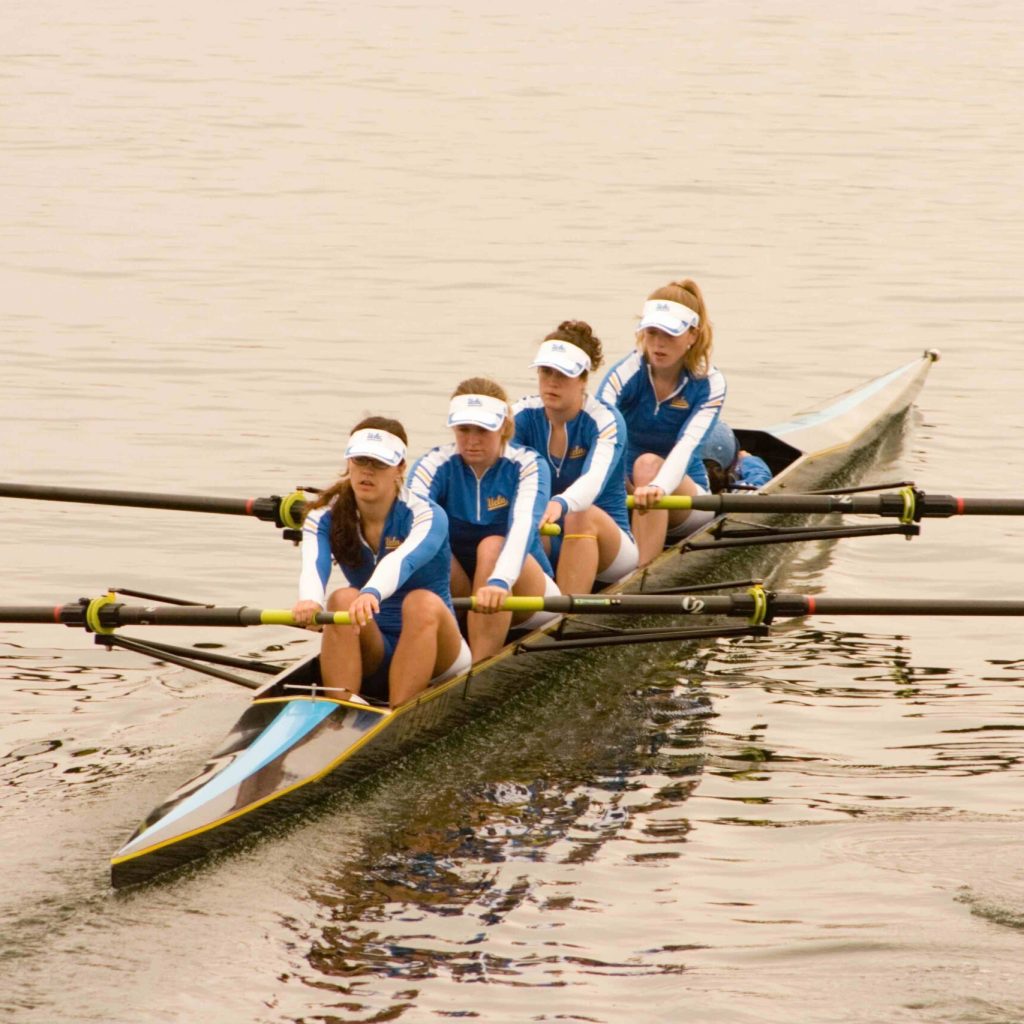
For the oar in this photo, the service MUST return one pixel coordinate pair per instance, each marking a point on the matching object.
(755, 603)
(104, 614)
(285, 512)
(908, 504)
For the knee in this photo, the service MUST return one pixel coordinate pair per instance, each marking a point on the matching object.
(645, 468)
(421, 605)
(341, 599)
(580, 522)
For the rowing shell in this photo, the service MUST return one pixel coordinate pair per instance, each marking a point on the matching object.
(291, 743)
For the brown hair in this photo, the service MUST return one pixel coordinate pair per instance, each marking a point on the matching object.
(339, 497)
(580, 334)
(698, 357)
(488, 387)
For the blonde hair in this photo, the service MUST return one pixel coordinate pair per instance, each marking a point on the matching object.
(488, 387)
(698, 356)
(580, 334)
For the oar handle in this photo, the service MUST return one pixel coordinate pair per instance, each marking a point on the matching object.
(670, 502)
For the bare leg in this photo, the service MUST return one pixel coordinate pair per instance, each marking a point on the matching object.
(591, 542)
(651, 528)
(488, 632)
(345, 656)
(429, 643)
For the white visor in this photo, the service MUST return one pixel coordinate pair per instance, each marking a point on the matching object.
(564, 357)
(478, 411)
(376, 444)
(671, 317)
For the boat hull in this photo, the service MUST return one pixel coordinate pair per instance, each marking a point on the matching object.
(291, 745)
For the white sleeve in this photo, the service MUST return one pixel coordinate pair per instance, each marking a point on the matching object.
(701, 420)
(585, 491)
(521, 520)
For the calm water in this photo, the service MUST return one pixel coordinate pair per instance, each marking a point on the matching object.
(231, 232)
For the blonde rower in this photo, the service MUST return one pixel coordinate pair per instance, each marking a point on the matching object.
(495, 494)
(670, 396)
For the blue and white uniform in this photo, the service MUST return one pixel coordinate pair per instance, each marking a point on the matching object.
(507, 501)
(749, 473)
(673, 427)
(591, 471)
(413, 554)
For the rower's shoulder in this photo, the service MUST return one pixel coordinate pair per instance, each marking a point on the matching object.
(603, 413)
(417, 507)
(528, 404)
(520, 454)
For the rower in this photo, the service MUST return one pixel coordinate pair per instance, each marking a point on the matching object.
(392, 549)
(728, 466)
(583, 442)
(670, 396)
(494, 493)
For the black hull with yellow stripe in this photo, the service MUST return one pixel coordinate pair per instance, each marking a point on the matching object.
(292, 744)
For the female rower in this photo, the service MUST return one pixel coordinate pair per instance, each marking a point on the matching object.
(495, 494)
(670, 395)
(392, 549)
(583, 441)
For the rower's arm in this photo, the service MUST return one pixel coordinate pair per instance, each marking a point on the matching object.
(429, 531)
(533, 492)
(316, 557)
(604, 451)
(698, 425)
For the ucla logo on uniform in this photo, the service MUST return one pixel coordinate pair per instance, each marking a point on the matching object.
(374, 436)
(579, 452)
(392, 542)
(679, 403)
(661, 307)
(474, 401)
(557, 346)
(497, 501)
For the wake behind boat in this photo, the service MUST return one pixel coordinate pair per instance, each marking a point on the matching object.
(292, 743)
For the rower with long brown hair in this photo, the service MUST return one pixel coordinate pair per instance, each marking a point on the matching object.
(392, 549)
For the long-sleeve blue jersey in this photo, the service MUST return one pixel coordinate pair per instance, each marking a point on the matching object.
(413, 554)
(591, 471)
(508, 500)
(673, 427)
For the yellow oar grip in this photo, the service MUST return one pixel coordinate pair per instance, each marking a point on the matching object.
(672, 502)
(518, 604)
(550, 530)
(283, 617)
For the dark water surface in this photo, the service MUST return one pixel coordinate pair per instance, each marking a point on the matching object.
(231, 233)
